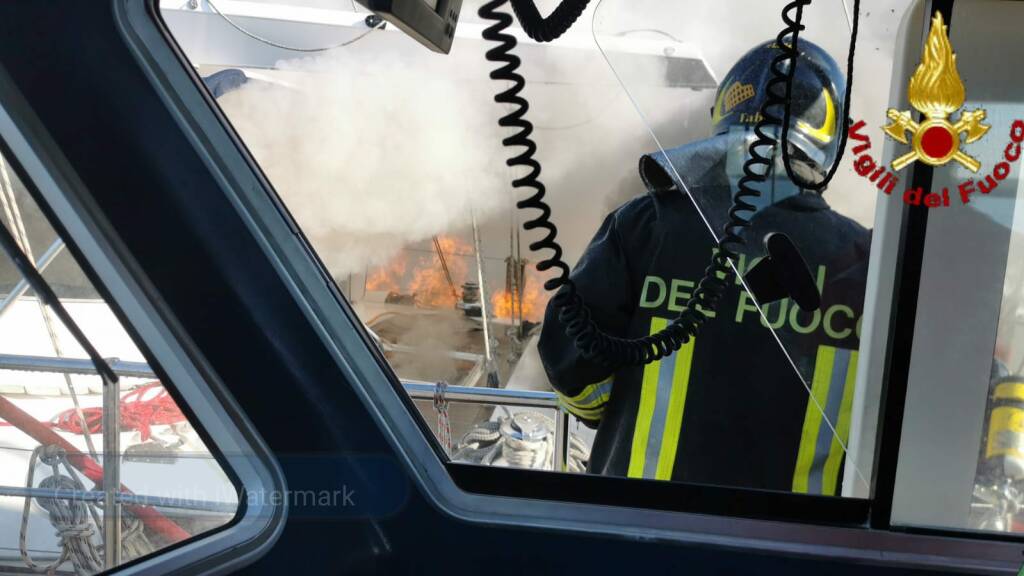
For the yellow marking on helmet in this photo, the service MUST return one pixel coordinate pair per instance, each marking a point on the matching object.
(716, 112)
(728, 99)
(827, 131)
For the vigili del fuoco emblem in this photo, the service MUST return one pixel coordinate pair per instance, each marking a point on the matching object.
(937, 91)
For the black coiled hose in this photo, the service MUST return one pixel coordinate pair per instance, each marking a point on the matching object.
(593, 343)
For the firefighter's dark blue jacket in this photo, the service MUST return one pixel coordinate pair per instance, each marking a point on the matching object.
(729, 408)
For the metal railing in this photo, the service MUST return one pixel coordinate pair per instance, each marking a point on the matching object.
(53, 365)
(22, 286)
(416, 389)
(121, 497)
(504, 397)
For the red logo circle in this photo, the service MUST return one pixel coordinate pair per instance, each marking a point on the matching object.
(937, 142)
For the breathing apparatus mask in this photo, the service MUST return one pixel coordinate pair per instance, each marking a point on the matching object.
(815, 126)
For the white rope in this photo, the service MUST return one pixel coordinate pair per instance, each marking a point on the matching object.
(134, 542)
(491, 444)
(444, 425)
(481, 445)
(270, 42)
(69, 517)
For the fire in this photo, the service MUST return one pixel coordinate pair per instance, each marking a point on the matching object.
(423, 276)
(535, 299)
(385, 278)
(936, 88)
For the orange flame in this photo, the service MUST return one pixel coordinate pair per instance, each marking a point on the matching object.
(423, 276)
(936, 88)
(535, 300)
(386, 278)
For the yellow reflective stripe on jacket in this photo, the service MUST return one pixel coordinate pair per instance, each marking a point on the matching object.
(592, 395)
(594, 414)
(820, 453)
(677, 402)
(590, 403)
(660, 413)
(836, 451)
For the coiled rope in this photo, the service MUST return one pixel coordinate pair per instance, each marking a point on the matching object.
(444, 425)
(492, 443)
(142, 408)
(75, 521)
(69, 517)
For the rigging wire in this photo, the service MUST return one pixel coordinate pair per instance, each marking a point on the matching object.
(274, 44)
(17, 225)
(46, 294)
(444, 267)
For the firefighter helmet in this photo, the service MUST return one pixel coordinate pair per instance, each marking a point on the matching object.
(816, 103)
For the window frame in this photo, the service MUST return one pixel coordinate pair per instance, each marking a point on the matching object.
(238, 449)
(813, 526)
(907, 378)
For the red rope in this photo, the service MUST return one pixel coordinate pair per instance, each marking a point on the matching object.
(146, 406)
(43, 434)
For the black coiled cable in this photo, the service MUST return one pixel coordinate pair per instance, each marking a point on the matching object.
(547, 29)
(790, 52)
(593, 343)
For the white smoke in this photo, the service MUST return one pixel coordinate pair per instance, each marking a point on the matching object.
(374, 149)
(384, 144)
(380, 145)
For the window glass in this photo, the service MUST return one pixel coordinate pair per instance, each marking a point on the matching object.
(52, 424)
(779, 357)
(962, 431)
(390, 158)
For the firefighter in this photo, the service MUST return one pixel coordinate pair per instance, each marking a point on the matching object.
(729, 408)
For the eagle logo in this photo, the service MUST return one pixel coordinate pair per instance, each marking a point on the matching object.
(937, 91)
